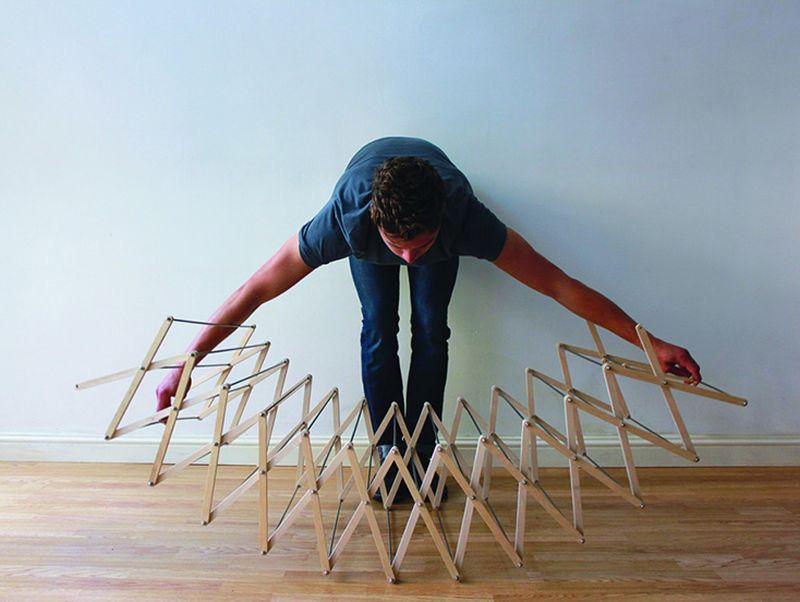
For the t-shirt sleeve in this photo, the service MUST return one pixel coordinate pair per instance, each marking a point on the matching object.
(321, 240)
(482, 235)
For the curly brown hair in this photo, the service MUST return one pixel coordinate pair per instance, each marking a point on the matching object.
(407, 197)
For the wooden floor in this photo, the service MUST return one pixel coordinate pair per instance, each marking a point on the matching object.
(97, 532)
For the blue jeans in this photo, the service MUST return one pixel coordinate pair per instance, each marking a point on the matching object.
(378, 288)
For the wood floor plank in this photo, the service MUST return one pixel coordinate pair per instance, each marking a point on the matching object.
(72, 531)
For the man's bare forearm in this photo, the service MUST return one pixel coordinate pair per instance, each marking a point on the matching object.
(276, 276)
(522, 262)
(598, 309)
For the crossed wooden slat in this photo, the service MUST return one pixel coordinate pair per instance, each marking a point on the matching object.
(617, 412)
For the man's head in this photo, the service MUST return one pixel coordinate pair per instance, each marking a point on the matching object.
(407, 205)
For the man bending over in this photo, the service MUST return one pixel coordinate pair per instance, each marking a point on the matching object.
(401, 202)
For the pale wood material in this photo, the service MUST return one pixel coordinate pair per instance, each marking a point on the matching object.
(149, 363)
(617, 413)
(474, 481)
(210, 510)
(224, 395)
(93, 533)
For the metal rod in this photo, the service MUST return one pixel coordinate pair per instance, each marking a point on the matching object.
(471, 417)
(444, 533)
(598, 467)
(516, 411)
(358, 419)
(496, 519)
(500, 447)
(648, 429)
(588, 359)
(178, 418)
(455, 457)
(288, 440)
(335, 524)
(547, 495)
(289, 505)
(322, 409)
(252, 376)
(561, 393)
(547, 430)
(580, 395)
(389, 532)
(197, 366)
(213, 323)
(232, 349)
(369, 467)
(718, 390)
(325, 461)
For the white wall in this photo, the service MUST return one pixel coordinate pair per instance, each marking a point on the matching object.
(152, 155)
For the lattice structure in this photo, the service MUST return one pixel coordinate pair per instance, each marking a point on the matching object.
(617, 412)
(359, 478)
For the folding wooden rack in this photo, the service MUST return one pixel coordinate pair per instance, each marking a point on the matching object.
(365, 475)
(617, 412)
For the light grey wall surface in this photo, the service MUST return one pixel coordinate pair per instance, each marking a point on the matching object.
(153, 155)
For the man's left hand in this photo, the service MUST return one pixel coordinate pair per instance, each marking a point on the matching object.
(677, 360)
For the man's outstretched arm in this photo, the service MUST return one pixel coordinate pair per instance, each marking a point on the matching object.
(285, 269)
(521, 261)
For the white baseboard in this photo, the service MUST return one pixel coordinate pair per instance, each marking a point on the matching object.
(714, 450)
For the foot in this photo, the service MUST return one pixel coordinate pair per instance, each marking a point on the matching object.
(403, 494)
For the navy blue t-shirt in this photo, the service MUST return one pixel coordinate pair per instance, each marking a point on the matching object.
(343, 226)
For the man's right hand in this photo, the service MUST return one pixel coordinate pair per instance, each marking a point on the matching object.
(277, 275)
(168, 387)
